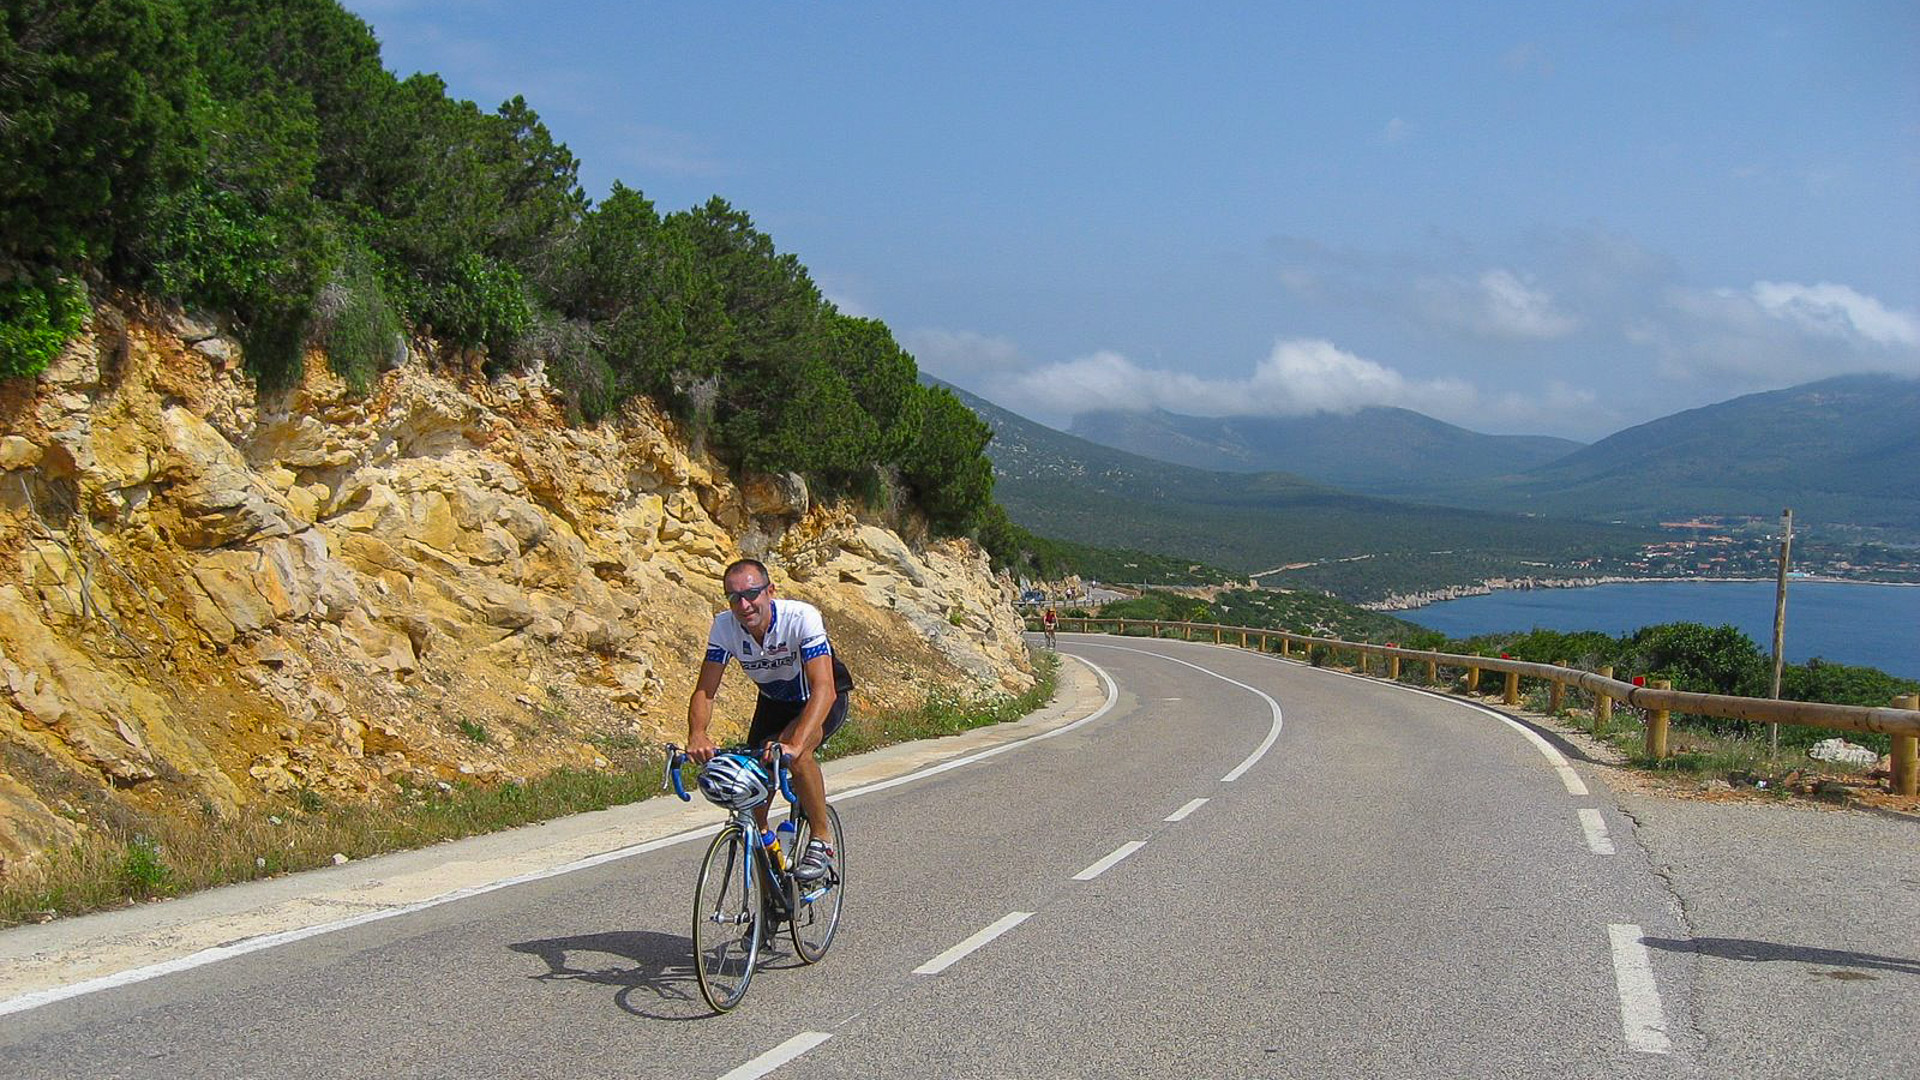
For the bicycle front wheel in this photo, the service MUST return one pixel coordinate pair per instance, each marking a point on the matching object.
(814, 906)
(726, 920)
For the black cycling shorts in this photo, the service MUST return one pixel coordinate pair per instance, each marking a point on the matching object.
(771, 717)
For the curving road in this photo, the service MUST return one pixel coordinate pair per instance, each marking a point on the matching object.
(1235, 867)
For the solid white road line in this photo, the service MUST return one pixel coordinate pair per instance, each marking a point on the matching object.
(34, 1000)
(267, 941)
(1113, 696)
(1107, 863)
(1568, 778)
(959, 952)
(1273, 730)
(1641, 1016)
(1595, 827)
(1181, 814)
(778, 1056)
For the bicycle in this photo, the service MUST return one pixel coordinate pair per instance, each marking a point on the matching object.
(746, 885)
(1052, 644)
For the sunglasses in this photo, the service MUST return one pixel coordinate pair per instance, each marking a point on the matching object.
(749, 594)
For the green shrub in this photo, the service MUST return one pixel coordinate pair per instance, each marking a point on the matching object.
(143, 868)
(360, 329)
(37, 319)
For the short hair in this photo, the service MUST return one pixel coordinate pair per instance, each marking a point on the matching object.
(742, 564)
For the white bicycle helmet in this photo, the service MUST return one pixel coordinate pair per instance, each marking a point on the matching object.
(734, 781)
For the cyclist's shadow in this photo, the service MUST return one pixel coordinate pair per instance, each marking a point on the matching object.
(644, 961)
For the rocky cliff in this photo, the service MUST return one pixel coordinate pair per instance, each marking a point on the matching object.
(209, 598)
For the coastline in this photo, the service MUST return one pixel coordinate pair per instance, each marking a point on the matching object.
(1415, 601)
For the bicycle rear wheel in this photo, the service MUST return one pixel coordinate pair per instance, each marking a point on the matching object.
(726, 920)
(814, 906)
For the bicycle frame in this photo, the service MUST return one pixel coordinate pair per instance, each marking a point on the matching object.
(768, 890)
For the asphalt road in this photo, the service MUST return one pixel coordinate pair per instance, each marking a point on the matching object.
(1377, 883)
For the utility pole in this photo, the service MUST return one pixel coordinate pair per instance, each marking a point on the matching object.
(1780, 625)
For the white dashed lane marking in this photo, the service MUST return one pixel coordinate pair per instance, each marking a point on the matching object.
(1595, 826)
(778, 1056)
(1107, 863)
(960, 952)
(1181, 814)
(1641, 1016)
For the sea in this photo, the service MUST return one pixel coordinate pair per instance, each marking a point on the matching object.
(1844, 622)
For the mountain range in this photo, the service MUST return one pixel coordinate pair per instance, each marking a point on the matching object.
(1844, 450)
(1062, 486)
(1377, 450)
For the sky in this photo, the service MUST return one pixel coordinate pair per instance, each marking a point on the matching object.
(1521, 218)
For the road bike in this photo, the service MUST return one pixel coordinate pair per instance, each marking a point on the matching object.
(747, 888)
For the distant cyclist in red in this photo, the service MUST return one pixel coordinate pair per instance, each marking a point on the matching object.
(1049, 623)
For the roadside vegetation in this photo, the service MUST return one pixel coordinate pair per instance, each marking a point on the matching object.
(136, 860)
(254, 162)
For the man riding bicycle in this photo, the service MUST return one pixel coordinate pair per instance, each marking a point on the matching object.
(803, 694)
(1048, 624)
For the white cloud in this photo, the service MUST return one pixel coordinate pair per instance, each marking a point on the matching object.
(1297, 378)
(1775, 334)
(1837, 311)
(1498, 304)
(954, 354)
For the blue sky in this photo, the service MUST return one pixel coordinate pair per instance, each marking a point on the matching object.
(1518, 217)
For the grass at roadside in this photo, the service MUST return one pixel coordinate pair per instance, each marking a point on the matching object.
(172, 857)
(1708, 757)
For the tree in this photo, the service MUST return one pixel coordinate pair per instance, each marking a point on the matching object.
(945, 463)
(95, 124)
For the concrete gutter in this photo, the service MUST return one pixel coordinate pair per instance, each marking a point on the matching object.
(43, 959)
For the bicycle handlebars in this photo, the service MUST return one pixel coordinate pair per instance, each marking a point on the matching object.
(677, 757)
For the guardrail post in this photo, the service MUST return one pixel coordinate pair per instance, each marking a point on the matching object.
(1511, 695)
(1393, 668)
(1243, 638)
(1602, 705)
(1906, 755)
(1556, 693)
(1433, 672)
(1657, 724)
(1286, 647)
(1473, 680)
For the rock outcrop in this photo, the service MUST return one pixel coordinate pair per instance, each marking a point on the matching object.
(211, 598)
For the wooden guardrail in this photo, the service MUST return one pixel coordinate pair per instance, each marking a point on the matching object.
(1900, 720)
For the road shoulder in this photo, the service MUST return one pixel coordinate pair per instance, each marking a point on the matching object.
(68, 952)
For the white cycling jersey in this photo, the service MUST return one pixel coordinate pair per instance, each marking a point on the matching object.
(795, 635)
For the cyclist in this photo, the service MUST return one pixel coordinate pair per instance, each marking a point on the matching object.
(1049, 623)
(803, 693)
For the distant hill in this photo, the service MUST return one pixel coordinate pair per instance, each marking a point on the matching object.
(1845, 449)
(1063, 486)
(1376, 450)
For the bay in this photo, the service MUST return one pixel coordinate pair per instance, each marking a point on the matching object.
(1843, 622)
